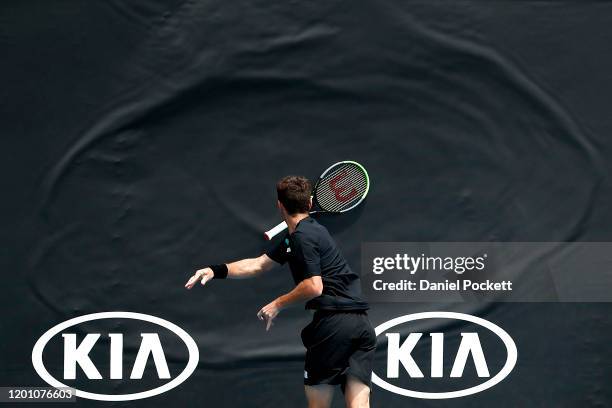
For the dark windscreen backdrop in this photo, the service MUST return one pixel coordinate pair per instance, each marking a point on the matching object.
(142, 140)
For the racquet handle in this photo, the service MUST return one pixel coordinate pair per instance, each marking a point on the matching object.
(275, 231)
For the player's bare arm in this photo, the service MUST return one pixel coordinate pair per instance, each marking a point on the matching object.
(305, 290)
(245, 268)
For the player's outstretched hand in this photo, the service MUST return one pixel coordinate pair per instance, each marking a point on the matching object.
(268, 313)
(202, 276)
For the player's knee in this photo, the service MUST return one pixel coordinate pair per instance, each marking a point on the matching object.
(319, 402)
(362, 401)
(319, 396)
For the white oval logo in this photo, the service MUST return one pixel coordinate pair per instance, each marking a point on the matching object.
(194, 355)
(503, 373)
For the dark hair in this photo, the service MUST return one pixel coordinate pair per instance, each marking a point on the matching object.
(294, 193)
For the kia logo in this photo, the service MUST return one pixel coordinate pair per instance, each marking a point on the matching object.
(401, 362)
(78, 354)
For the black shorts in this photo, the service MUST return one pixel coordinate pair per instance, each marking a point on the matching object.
(338, 344)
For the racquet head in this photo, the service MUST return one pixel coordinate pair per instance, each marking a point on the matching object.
(342, 187)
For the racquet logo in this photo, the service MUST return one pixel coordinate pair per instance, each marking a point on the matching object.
(340, 190)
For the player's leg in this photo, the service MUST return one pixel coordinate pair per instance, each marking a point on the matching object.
(357, 384)
(319, 396)
(356, 393)
(320, 365)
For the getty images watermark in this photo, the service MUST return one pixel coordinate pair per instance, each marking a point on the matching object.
(487, 271)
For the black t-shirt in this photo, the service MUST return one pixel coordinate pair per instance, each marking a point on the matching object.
(311, 251)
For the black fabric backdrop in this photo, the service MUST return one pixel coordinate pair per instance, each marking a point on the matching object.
(142, 140)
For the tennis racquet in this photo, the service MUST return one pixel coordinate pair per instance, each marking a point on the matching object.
(342, 187)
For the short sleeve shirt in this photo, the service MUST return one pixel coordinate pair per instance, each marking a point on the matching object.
(311, 251)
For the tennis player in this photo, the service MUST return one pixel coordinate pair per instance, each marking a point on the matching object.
(340, 341)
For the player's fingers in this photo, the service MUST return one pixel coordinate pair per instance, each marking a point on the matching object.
(193, 280)
(269, 323)
(260, 314)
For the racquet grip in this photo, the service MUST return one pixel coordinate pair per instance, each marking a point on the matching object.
(275, 231)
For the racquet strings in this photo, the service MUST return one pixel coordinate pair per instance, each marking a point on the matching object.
(341, 187)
